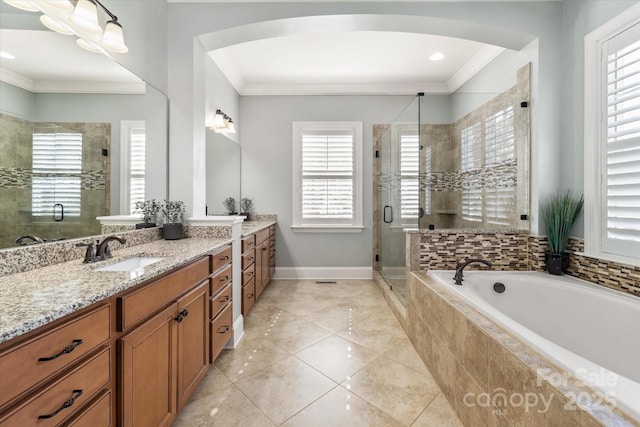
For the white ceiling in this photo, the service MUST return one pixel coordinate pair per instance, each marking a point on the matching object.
(362, 62)
(46, 61)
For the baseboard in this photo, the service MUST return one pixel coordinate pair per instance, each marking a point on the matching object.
(323, 273)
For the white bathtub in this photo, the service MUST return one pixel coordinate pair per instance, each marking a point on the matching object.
(591, 331)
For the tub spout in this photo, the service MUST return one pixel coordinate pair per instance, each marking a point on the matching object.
(461, 265)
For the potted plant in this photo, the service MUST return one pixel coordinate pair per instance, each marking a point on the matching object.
(246, 204)
(149, 210)
(230, 205)
(173, 213)
(559, 214)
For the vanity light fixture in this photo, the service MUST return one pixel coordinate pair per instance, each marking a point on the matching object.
(80, 20)
(222, 123)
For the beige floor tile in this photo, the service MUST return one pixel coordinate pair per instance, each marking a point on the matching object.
(250, 356)
(334, 318)
(217, 402)
(405, 354)
(297, 335)
(397, 390)
(337, 357)
(379, 336)
(341, 408)
(283, 389)
(438, 414)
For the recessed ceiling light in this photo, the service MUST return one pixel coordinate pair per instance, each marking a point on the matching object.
(6, 55)
(437, 56)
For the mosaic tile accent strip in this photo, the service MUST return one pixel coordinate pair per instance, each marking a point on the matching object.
(21, 178)
(15, 178)
(442, 251)
(26, 258)
(207, 231)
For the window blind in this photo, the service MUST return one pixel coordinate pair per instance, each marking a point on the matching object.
(57, 165)
(409, 172)
(621, 153)
(427, 176)
(137, 147)
(499, 147)
(470, 157)
(327, 174)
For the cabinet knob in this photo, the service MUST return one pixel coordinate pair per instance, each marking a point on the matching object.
(65, 405)
(68, 349)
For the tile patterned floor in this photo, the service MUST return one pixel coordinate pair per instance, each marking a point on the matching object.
(319, 355)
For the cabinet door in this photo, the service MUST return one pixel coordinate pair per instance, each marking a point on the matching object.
(258, 270)
(266, 264)
(149, 372)
(193, 335)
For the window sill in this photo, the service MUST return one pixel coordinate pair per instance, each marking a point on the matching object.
(327, 228)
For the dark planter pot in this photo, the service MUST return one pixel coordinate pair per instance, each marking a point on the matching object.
(556, 263)
(233, 213)
(172, 231)
(248, 215)
(145, 225)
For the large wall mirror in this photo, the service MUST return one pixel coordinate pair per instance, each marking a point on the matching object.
(223, 172)
(80, 135)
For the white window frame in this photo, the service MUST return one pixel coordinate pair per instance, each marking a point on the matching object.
(593, 134)
(355, 225)
(472, 193)
(410, 220)
(125, 165)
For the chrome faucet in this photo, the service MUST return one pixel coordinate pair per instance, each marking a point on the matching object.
(103, 251)
(35, 239)
(461, 265)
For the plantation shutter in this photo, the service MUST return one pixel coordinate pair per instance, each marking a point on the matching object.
(137, 147)
(470, 158)
(57, 165)
(499, 148)
(327, 174)
(427, 176)
(621, 153)
(409, 172)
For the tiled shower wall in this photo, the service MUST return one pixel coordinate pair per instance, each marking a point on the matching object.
(515, 251)
(16, 141)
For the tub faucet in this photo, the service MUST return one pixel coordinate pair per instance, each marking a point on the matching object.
(35, 239)
(103, 251)
(461, 265)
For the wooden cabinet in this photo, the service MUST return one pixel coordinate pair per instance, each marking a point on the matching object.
(221, 311)
(258, 264)
(96, 414)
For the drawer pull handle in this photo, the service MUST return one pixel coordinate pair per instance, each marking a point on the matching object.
(224, 279)
(65, 405)
(68, 349)
(224, 258)
(250, 258)
(225, 298)
(184, 313)
(264, 248)
(225, 329)
(250, 273)
(250, 296)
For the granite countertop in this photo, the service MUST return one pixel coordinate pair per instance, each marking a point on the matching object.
(249, 227)
(37, 297)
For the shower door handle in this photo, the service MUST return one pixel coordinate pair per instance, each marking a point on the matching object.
(58, 215)
(388, 219)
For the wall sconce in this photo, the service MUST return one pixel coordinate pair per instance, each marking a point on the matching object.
(222, 123)
(80, 20)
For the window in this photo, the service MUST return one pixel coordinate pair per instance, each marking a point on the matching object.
(132, 178)
(471, 161)
(427, 177)
(409, 172)
(612, 144)
(327, 181)
(57, 168)
(499, 149)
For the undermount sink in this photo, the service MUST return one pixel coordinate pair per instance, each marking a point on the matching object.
(131, 264)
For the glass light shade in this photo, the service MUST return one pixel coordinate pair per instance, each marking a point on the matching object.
(113, 38)
(231, 127)
(90, 46)
(218, 121)
(23, 5)
(55, 25)
(61, 4)
(85, 16)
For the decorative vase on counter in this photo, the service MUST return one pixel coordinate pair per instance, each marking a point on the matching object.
(172, 231)
(556, 263)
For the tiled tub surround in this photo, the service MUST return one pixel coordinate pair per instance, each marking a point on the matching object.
(476, 362)
(25, 258)
(35, 298)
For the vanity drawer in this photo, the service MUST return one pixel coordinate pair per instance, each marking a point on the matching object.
(221, 279)
(21, 368)
(248, 258)
(221, 258)
(248, 296)
(221, 330)
(262, 235)
(96, 414)
(146, 301)
(248, 274)
(220, 300)
(248, 242)
(77, 387)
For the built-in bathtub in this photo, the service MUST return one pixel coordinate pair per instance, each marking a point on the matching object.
(590, 331)
(459, 331)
